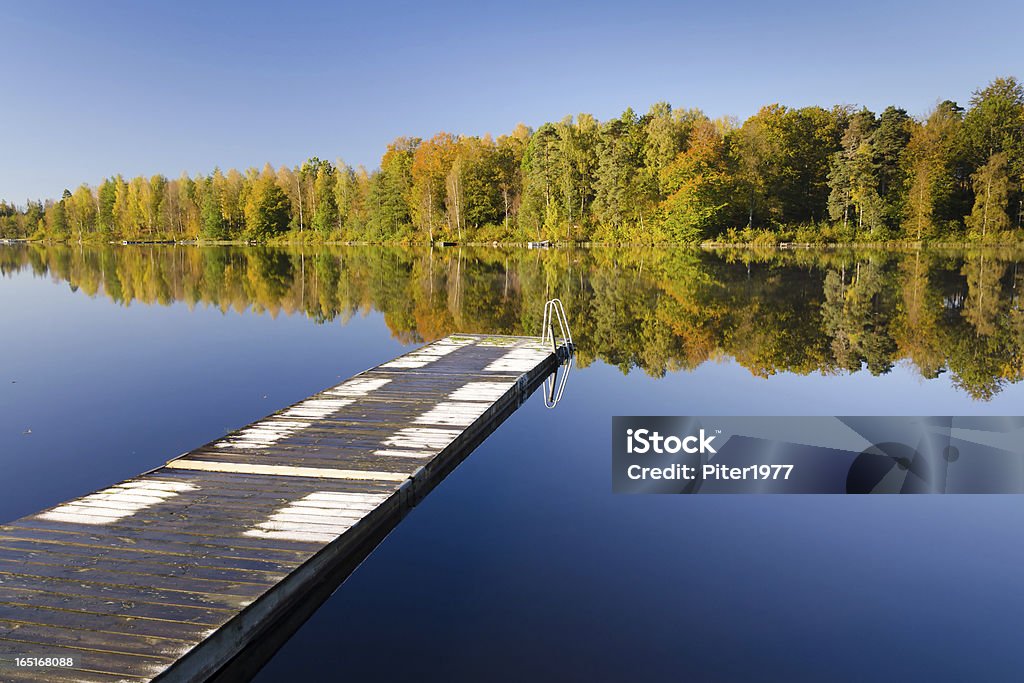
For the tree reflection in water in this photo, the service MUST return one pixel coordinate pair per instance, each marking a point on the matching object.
(804, 311)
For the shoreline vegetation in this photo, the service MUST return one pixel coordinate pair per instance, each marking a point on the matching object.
(1012, 246)
(784, 177)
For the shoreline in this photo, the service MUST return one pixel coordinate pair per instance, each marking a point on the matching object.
(903, 245)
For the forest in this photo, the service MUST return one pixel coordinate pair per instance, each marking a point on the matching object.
(672, 175)
(938, 311)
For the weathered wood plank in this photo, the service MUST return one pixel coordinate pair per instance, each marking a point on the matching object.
(109, 536)
(144, 566)
(13, 587)
(161, 555)
(112, 624)
(199, 615)
(99, 632)
(106, 575)
(396, 465)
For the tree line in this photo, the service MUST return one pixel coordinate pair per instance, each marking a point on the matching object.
(806, 174)
(800, 311)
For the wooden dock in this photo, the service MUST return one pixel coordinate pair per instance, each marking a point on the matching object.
(200, 569)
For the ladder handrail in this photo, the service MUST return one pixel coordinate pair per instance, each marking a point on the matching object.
(551, 395)
(553, 310)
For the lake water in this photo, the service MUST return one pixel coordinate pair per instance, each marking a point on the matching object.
(522, 565)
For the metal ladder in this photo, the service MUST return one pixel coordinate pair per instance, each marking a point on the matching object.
(553, 385)
(554, 311)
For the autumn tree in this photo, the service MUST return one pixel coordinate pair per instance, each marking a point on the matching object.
(751, 150)
(508, 170)
(664, 134)
(932, 196)
(778, 159)
(802, 143)
(431, 164)
(267, 211)
(350, 192)
(992, 188)
(480, 196)
(189, 203)
(231, 190)
(697, 184)
(81, 212)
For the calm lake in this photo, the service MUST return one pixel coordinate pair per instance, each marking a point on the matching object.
(522, 565)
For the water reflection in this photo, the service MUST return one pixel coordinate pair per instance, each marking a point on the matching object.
(657, 309)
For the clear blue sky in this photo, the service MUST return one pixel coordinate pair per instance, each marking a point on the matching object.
(93, 89)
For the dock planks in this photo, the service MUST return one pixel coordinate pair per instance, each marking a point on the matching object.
(181, 573)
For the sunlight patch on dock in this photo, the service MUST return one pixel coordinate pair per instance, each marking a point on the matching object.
(480, 391)
(455, 413)
(262, 434)
(319, 517)
(518, 360)
(418, 438)
(359, 386)
(116, 502)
